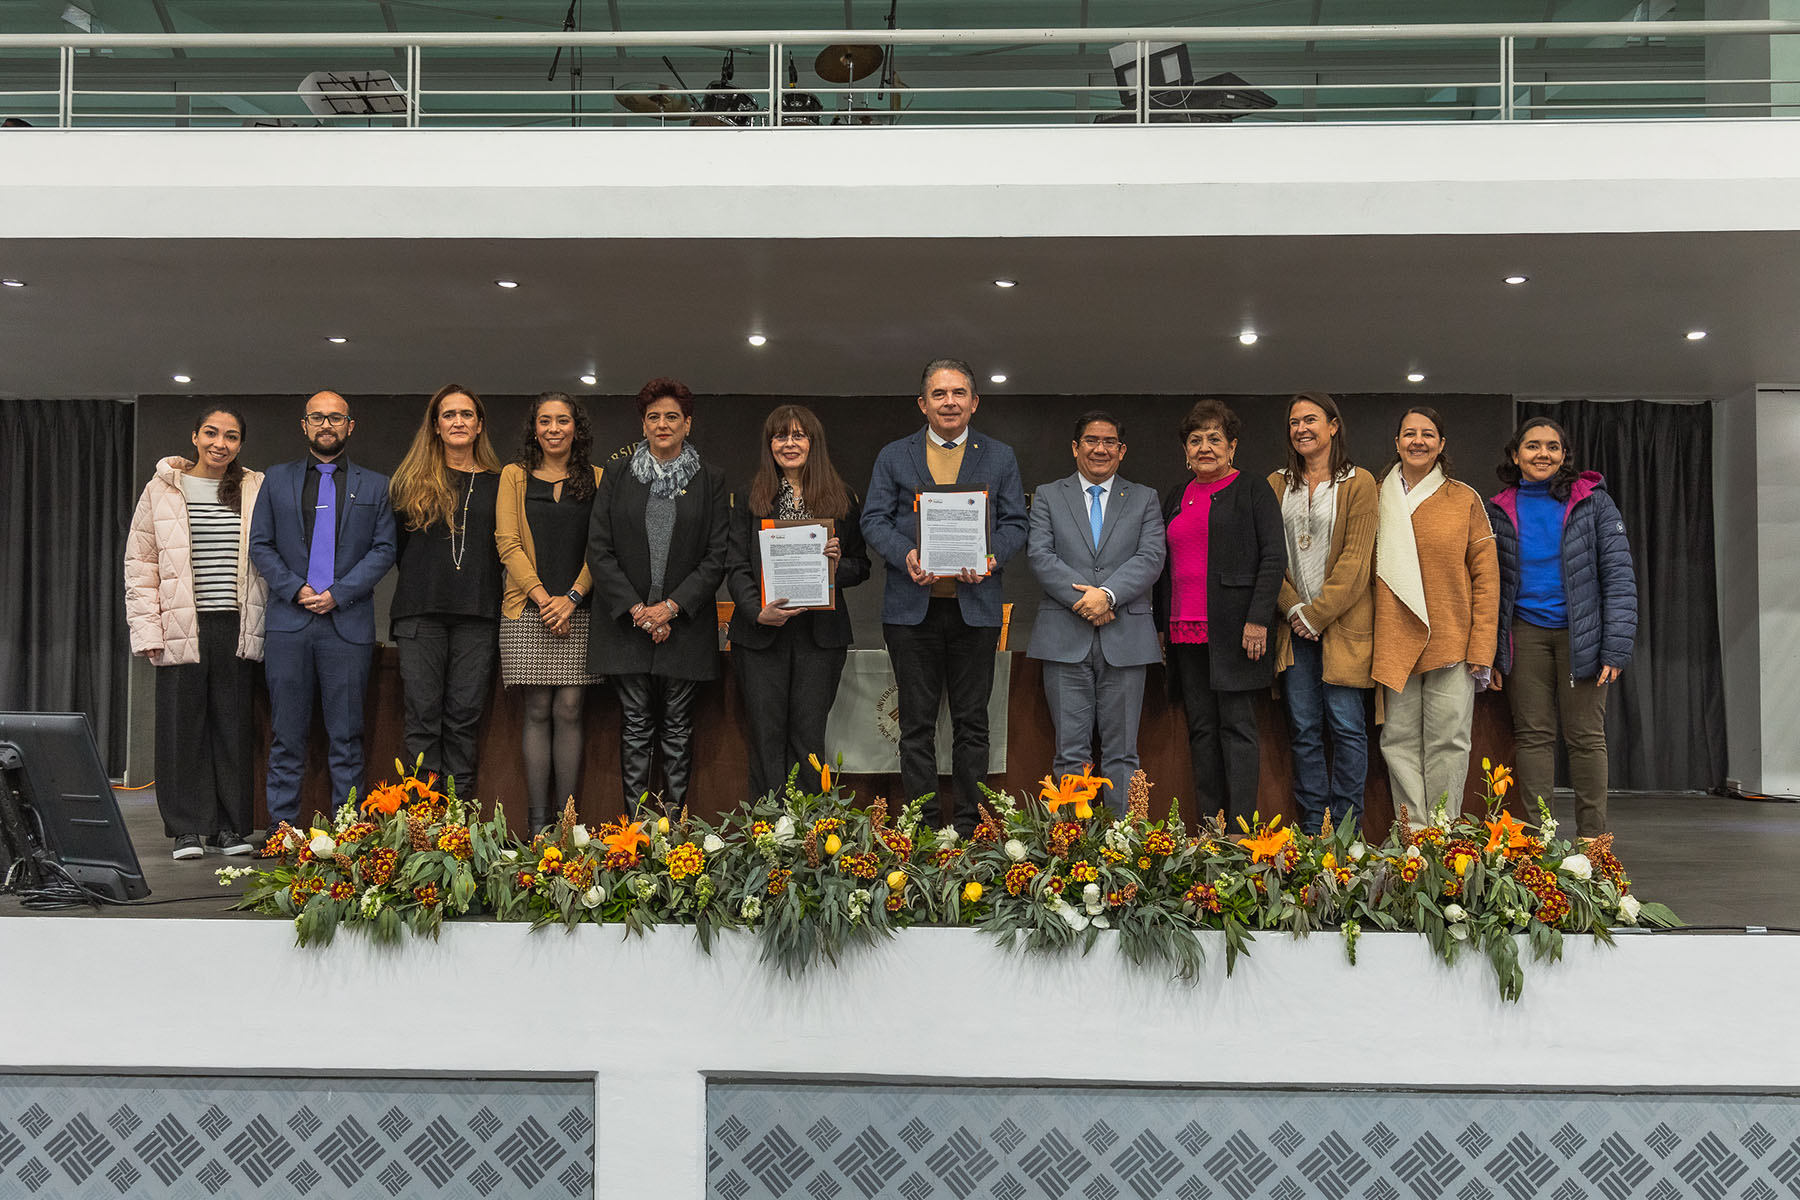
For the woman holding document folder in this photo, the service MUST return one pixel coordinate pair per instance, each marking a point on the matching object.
(788, 659)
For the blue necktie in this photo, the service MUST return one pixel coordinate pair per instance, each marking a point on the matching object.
(1094, 513)
(321, 563)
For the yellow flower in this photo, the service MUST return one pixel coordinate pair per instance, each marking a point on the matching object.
(662, 824)
(824, 770)
(1329, 862)
(971, 892)
(1460, 863)
(833, 844)
(1144, 863)
(552, 854)
(896, 880)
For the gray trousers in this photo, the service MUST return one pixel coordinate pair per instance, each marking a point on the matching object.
(1542, 690)
(1083, 693)
(1426, 741)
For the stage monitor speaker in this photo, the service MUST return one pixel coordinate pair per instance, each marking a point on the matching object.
(56, 803)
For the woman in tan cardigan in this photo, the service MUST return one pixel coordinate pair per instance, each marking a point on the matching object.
(194, 604)
(1437, 611)
(1324, 650)
(540, 529)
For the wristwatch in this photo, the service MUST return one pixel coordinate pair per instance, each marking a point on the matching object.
(574, 596)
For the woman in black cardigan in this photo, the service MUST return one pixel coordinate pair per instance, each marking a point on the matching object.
(788, 662)
(656, 550)
(1215, 603)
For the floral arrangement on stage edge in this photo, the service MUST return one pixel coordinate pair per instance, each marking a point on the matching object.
(406, 857)
(814, 877)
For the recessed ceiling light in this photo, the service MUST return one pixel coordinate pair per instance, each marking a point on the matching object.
(1006, 283)
(757, 339)
(1415, 377)
(996, 379)
(590, 380)
(337, 341)
(1248, 337)
(506, 283)
(182, 378)
(1516, 280)
(12, 282)
(1695, 335)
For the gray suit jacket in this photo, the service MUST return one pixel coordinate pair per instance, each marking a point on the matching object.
(1060, 548)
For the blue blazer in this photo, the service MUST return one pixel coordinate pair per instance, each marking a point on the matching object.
(365, 548)
(891, 526)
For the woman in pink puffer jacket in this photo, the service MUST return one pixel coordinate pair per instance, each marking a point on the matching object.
(195, 607)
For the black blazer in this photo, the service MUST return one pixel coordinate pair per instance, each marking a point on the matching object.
(1246, 557)
(743, 580)
(618, 556)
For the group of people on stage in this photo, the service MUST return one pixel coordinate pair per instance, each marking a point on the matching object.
(1321, 576)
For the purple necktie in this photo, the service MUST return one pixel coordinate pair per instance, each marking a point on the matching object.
(321, 569)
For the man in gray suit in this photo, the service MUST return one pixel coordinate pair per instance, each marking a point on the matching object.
(1096, 545)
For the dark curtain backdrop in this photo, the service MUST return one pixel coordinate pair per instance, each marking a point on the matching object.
(65, 504)
(1665, 720)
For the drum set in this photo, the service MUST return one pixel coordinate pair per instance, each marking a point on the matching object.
(720, 103)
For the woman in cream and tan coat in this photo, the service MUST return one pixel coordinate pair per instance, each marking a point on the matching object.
(1437, 611)
(194, 605)
(1324, 649)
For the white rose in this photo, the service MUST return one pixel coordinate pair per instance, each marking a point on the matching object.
(510, 855)
(1356, 852)
(1578, 866)
(1455, 912)
(1015, 850)
(1070, 915)
(1090, 894)
(1413, 852)
(1101, 922)
(593, 897)
(713, 843)
(784, 829)
(322, 846)
(580, 836)
(1459, 933)
(947, 837)
(1628, 909)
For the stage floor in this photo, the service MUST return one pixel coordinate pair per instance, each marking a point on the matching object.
(1715, 861)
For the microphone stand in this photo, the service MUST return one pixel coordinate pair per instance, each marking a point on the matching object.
(569, 25)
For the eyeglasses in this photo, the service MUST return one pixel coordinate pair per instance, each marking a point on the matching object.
(1101, 443)
(332, 419)
(792, 435)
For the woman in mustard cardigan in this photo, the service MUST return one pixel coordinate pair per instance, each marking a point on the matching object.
(1324, 650)
(540, 529)
(1437, 612)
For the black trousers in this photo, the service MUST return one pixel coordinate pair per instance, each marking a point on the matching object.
(942, 653)
(1222, 737)
(446, 667)
(203, 736)
(788, 691)
(655, 712)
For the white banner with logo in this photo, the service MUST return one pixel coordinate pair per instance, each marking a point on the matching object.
(864, 725)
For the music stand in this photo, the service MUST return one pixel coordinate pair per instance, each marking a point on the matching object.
(352, 94)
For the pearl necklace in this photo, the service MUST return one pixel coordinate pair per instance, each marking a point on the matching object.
(458, 551)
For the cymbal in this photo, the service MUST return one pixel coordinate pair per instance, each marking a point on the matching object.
(847, 64)
(660, 102)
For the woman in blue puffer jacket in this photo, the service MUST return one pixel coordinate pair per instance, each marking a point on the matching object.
(1568, 612)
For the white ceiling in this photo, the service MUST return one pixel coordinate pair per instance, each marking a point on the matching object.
(1602, 315)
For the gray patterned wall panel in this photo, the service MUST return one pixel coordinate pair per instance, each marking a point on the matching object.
(182, 1137)
(857, 1141)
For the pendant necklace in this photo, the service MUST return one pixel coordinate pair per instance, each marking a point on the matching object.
(1304, 540)
(457, 551)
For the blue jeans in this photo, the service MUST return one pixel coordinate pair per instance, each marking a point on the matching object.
(1311, 704)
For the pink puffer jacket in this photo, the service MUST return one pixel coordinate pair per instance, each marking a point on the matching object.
(159, 574)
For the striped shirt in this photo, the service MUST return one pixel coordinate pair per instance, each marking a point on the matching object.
(213, 532)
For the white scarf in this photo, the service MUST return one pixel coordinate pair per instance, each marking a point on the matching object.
(1396, 547)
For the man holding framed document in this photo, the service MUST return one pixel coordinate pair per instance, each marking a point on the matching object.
(945, 511)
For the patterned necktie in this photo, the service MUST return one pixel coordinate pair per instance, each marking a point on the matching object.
(1094, 513)
(321, 569)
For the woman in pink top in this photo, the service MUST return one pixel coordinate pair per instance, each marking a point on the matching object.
(1216, 604)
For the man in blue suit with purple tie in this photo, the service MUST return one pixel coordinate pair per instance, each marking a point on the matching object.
(323, 536)
(942, 631)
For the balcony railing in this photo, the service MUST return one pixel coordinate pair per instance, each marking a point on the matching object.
(966, 77)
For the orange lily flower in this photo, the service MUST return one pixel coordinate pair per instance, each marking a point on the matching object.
(1508, 832)
(384, 799)
(628, 839)
(1078, 790)
(824, 770)
(1501, 781)
(1268, 845)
